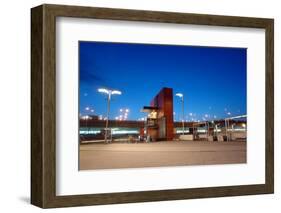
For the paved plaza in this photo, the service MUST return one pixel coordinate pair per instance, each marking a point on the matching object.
(138, 155)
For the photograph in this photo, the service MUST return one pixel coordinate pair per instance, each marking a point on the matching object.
(159, 105)
(170, 105)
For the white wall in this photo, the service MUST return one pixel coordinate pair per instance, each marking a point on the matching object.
(15, 107)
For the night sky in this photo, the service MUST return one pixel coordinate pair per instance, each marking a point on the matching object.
(212, 79)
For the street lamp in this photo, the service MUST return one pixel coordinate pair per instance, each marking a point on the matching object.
(109, 93)
(180, 95)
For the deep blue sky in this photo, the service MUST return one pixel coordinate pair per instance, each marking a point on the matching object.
(213, 79)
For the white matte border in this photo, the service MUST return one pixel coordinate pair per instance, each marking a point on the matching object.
(70, 181)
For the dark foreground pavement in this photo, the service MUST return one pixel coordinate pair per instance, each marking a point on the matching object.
(124, 155)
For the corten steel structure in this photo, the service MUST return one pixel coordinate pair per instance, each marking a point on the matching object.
(160, 121)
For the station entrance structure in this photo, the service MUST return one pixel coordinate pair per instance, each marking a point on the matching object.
(160, 122)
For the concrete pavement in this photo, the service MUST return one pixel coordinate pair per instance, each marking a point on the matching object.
(125, 155)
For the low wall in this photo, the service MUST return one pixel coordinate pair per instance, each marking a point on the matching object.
(186, 137)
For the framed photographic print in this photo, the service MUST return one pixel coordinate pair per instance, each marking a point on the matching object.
(137, 106)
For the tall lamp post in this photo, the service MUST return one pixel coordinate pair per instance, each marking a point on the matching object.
(109, 93)
(180, 95)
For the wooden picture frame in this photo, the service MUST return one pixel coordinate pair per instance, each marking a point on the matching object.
(43, 105)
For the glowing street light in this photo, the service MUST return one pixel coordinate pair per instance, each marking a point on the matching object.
(109, 93)
(180, 95)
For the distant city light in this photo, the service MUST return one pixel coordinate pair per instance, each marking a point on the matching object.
(124, 114)
(86, 117)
